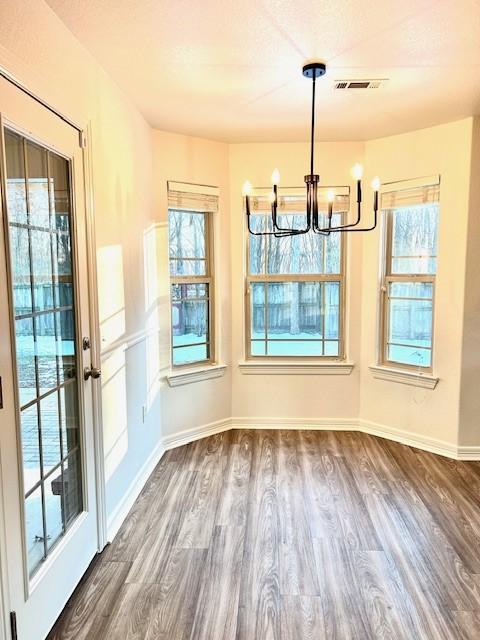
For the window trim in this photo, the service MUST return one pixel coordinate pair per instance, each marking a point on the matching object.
(295, 277)
(209, 279)
(386, 279)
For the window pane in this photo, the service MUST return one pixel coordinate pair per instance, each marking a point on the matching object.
(257, 301)
(258, 348)
(193, 353)
(332, 309)
(257, 244)
(26, 370)
(331, 348)
(72, 487)
(38, 200)
(182, 291)
(60, 194)
(415, 239)
(30, 447)
(16, 185)
(294, 348)
(53, 507)
(69, 417)
(34, 529)
(188, 268)
(294, 310)
(42, 270)
(411, 290)
(410, 355)
(186, 234)
(46, 351)
(66, 345)
(50, 423)
(410, 331)
(189, 322)
(22, 292)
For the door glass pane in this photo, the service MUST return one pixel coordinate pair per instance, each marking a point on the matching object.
(34, 530)
(16, 185)
(30, 448)
(54, 507)
(72, 486)
(41, 262)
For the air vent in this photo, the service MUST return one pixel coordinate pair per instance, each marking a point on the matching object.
(343, 85)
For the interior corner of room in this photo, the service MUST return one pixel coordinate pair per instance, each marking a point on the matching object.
(173, 339)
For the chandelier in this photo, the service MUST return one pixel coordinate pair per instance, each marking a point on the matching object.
(313, 71)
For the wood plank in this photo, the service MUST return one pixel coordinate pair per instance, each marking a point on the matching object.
(290, 535)
(259, 603)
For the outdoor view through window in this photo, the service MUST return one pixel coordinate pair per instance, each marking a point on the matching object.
(411, 265)
(191, 286)
(295, 290)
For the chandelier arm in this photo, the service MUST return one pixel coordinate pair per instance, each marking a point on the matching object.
(347, 226)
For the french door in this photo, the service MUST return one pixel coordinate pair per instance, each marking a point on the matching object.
(46, 434)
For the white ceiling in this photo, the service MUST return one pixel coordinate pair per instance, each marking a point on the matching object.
(231, 69)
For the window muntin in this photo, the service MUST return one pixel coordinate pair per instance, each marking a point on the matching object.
(190, 253)
(409, 285)
(295, 291)
(38, 191)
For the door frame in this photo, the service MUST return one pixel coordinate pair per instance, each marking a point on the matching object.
(85, 142)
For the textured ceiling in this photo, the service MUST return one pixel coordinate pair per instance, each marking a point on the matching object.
(231, 70)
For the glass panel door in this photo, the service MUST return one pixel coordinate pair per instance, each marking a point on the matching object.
(41, 263)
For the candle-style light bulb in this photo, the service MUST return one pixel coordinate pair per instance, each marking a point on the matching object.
(376, 183)
(357, 171)
(247, 188)
(330, 195)
(275, 177)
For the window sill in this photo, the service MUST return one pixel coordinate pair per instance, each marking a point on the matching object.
(424, 380)
(187, 376)
(251, 367)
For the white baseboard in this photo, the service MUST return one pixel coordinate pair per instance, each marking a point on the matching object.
(120, 512)
(426, 443)
(317, 424)
(189, 435)
(468, 453)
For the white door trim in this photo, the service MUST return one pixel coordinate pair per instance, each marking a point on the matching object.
(95, 348)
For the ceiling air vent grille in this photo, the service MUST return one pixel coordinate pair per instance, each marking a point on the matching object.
(358, 84)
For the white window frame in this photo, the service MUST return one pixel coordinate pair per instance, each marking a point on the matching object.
(251, 279)
(209, 279)
(387, 277)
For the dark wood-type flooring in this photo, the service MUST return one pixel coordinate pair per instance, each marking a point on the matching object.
(262, 535)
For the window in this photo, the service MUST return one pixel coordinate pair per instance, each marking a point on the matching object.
(191, 273)
(295, 286)
(411, 239)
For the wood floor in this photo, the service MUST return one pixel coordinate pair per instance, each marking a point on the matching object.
(298, 535)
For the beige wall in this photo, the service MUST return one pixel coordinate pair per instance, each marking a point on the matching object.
(443, 150)
(292, 396)
(44, 55)
(469, 433)
(186, 159)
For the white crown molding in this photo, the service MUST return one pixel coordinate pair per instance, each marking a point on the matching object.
(403, 376)
(263, 367)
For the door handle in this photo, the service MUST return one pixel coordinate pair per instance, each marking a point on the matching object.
(92, 372)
